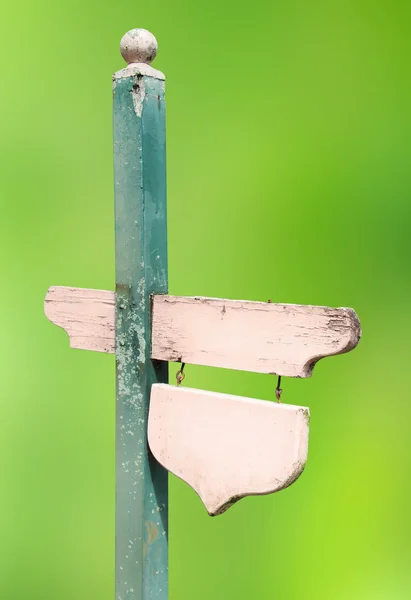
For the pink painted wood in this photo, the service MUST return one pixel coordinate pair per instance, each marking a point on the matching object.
(284, 339)
(88, 316)
(227, 447)
(263, 337)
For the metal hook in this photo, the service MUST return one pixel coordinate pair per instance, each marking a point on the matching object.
(180, 375)
(278, 390)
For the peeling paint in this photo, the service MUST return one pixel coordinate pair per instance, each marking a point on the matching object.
(141, 542)
(138, 94)
(138, 69)
(152, 532)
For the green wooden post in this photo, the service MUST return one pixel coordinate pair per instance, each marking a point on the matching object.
(141, 270)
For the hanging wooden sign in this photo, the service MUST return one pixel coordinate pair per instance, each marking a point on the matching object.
(227, 447)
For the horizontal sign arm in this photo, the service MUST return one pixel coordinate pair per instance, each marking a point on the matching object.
(282, 339)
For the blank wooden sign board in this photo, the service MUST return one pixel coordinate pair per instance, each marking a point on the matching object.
(225, 447)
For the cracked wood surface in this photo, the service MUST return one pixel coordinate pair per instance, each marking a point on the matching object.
(88, 316)
(282, 339)
(227, 447)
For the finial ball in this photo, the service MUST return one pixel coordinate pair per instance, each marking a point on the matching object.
(138, 46)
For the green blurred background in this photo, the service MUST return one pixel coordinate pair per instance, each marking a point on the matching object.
(289, 152)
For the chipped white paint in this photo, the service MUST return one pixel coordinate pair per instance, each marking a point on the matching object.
(285, 339)
(227, 447)
(282, 339)
(138, 69)
(138, 94)
(88, 316)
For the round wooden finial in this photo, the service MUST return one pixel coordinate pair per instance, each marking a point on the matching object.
(138, 46)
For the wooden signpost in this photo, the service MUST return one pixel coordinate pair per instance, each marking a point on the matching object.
(225, 447)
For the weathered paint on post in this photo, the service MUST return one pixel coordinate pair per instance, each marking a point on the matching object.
(141, 270)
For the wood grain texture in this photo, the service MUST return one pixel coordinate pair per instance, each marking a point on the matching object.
(282, 339)
(227, 447)
(88, 316)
